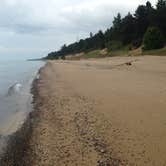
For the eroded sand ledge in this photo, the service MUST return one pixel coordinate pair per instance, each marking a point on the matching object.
(96, 112)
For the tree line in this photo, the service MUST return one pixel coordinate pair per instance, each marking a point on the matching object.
(132, 29)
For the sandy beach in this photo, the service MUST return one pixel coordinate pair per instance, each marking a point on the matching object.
(99, 112)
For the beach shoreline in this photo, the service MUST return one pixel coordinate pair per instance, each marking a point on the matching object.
(18, 150)
(16, 144)
(94, 112)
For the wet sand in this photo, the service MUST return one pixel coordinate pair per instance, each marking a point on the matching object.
(98, 112)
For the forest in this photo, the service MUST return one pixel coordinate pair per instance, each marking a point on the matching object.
(146, 28)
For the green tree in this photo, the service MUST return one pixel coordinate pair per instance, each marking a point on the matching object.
(160, 18)
(116, 28)
(142, 23)
(117, 21)
(153, 39)
(161, 4)
(128, 29)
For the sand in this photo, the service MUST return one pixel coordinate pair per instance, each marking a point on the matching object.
(100, 112)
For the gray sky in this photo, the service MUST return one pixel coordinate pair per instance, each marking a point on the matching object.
(32, 28)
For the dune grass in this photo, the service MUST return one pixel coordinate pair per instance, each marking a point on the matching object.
(124, 51)
(138, 52)
(159, 52)
(118, 53)
(92, 54)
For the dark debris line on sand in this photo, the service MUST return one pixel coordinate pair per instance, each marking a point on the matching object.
(91, 135)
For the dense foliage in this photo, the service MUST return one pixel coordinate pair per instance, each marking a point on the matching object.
(153, 39)
(127, 30)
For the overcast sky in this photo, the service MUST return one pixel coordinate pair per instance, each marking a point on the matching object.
(32, 28)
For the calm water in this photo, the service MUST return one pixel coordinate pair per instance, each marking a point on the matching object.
(15, 106)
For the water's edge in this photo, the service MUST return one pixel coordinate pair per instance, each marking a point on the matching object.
(15, 150)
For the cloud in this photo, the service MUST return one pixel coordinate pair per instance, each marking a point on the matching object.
(28, 16)
(49, 24)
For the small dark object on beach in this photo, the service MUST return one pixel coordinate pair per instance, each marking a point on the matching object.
(128, 63)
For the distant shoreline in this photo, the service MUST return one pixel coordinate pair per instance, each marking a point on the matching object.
(38, 59)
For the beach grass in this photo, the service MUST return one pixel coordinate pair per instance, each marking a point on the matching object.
(124, 51)
(159, 52)
(92, 54)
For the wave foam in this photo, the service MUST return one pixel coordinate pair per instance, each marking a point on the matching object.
(15, 88)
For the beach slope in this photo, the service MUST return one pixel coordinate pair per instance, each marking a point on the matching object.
(99, 112)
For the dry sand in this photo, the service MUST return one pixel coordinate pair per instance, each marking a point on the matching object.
(101, 112)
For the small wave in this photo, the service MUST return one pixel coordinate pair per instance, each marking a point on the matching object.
(14, 89)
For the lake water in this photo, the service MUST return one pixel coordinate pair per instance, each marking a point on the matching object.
(16, 76)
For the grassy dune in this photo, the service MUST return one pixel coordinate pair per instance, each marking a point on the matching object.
(121, 52)
(160, 52)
